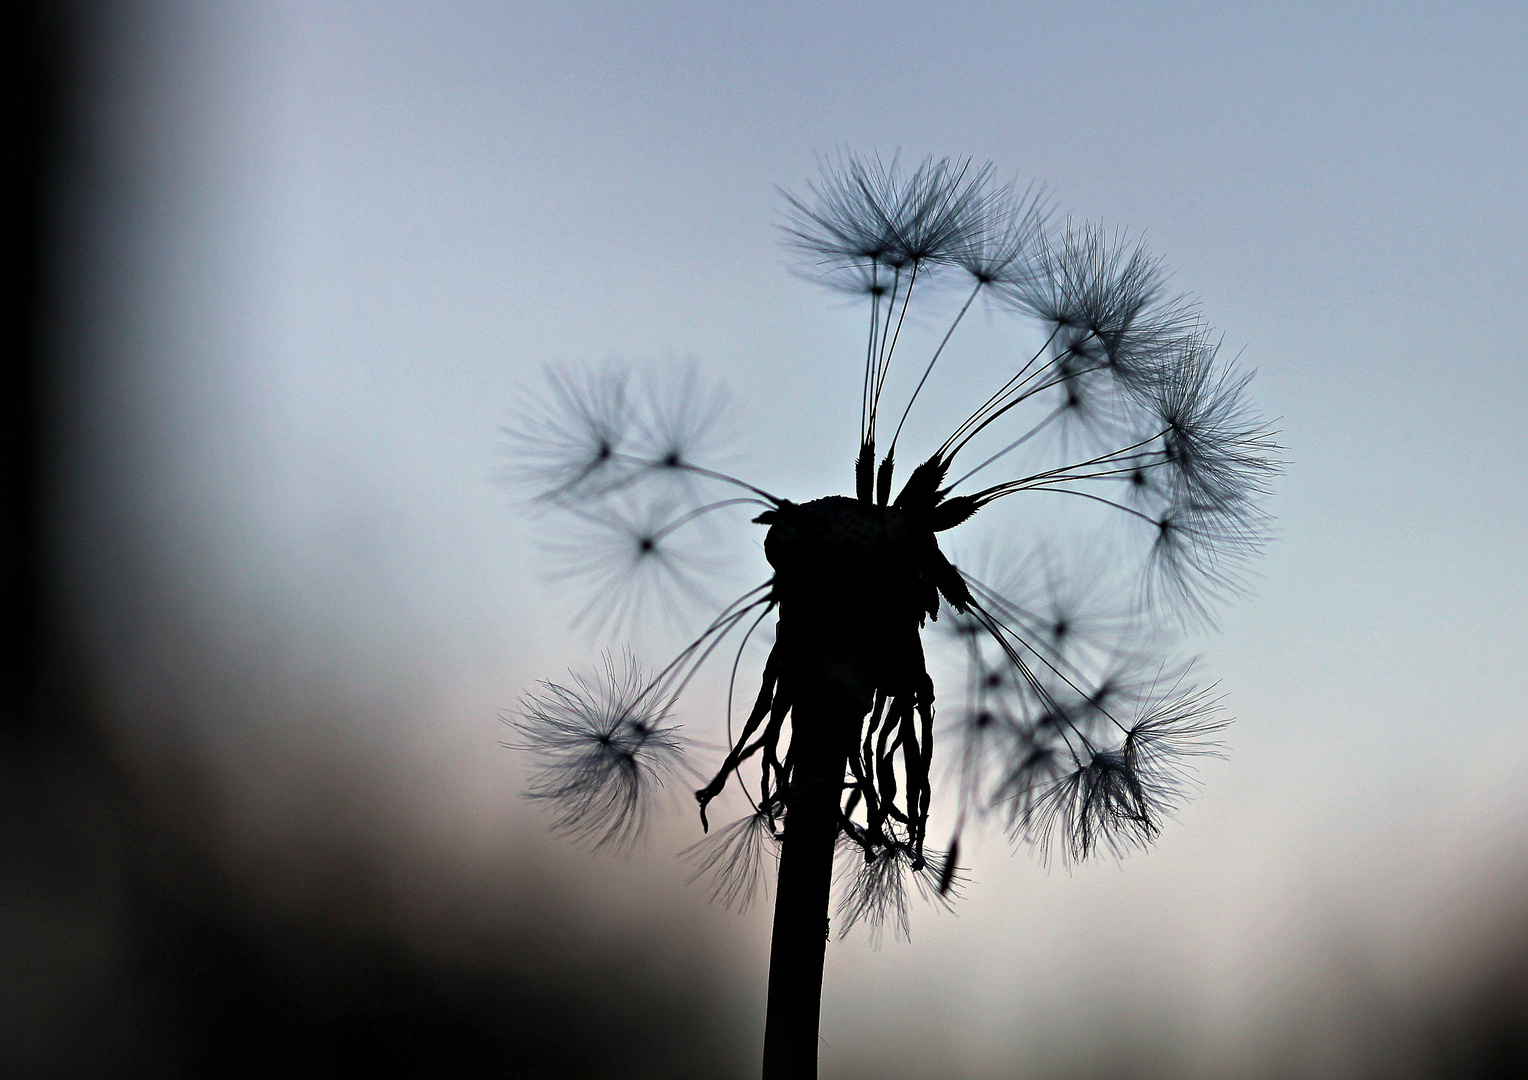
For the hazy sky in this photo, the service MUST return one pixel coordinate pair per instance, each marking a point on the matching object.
(321, 246)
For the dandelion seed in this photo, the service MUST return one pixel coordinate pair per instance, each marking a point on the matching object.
(1112, 299)
(643, 558)
(734, 859)
(680, 423)
(1197, 553)
(1117, 798)
(602, 745)
(1100, 802)
(874, 887)
(1216, 449)
(871, 212)
(1173, 730)
(1003, 250)
(573, 441)
(1035, 762)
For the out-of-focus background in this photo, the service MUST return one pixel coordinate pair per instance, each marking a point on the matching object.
(286, 268)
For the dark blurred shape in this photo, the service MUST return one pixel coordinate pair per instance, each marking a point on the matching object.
(1482, 1029)
(134, 949)
(130, 943)
(33, 74)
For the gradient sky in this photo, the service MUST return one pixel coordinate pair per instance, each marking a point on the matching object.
(320, 247)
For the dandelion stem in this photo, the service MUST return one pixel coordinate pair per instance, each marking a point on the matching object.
(700, 511)
(1097, 498)
(822, 726)
(1019, 399)
(879, 343)
(1065, 473)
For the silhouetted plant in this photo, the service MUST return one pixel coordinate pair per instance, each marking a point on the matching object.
(1073, 730)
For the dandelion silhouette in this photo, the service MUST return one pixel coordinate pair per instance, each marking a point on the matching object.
(1074, 730)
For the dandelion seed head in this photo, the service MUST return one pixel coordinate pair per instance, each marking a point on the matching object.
(1061, 730)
